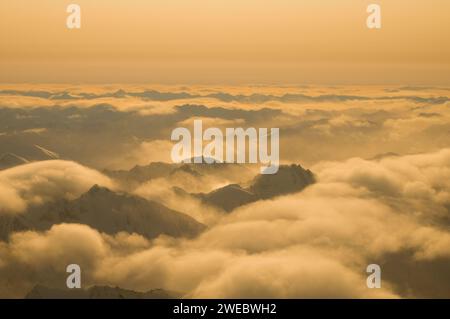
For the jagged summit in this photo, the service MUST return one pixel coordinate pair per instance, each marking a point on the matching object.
(97, 189)
(203, 160)
(121, 93)
(109, 212)
(229, 197)
(139, 174)
(289, 179)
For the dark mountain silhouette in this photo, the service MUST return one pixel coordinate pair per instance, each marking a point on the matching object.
(229, 197)
(108, 212)
(288, 179)
(140, 174)
(98, 292)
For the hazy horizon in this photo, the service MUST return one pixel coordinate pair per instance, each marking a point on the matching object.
(228, 42)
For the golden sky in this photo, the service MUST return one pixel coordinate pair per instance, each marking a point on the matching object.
(226, 41)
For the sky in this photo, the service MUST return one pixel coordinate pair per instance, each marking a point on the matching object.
(225, 42)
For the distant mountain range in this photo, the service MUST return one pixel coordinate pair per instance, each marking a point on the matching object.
(140, 174)
(106, 211)
(98, 292)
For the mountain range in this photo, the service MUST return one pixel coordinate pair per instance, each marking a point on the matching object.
(107, 211)
(144, 173)
(98, 292)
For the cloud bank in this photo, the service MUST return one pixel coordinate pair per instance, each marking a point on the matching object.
(40, 182)
(316, 243)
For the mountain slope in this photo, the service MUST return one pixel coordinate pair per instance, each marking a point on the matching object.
(229, 197)
(140, 174)
(288, 179)
(106, 211)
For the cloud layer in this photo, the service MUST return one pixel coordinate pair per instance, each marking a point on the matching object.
(40, 182)
(316, 243)
(129, 125)
(381, 157)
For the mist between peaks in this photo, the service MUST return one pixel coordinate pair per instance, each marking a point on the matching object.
(227, 147)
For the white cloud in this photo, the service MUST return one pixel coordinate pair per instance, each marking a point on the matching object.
(39, 182)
